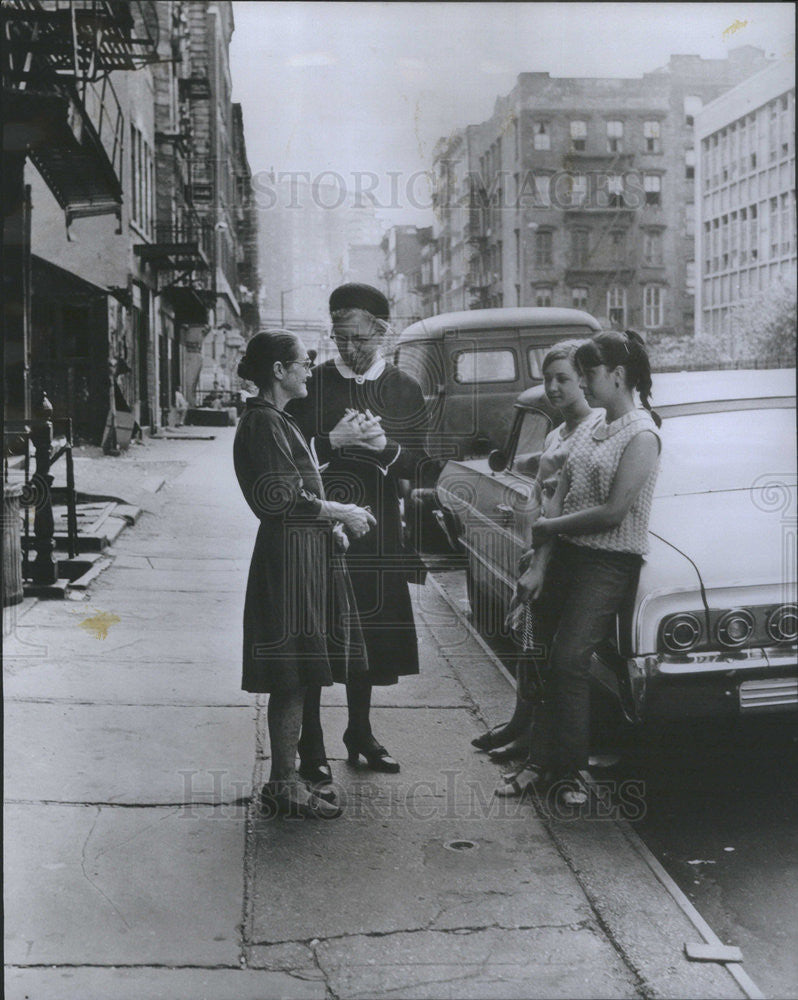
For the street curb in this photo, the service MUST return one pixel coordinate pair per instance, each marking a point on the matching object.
(621, 850)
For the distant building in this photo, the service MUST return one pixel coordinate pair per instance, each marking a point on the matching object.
(410, 274)
(313, 236)
(579, 192)
(745, 193)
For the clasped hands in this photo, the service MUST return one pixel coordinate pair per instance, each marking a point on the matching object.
(363, 430)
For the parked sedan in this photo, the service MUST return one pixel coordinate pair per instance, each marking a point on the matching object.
(712, 628)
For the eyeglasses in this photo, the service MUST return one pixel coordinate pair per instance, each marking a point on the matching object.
(307, 364)
(343, 338)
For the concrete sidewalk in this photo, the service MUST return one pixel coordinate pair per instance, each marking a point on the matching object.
(137, 866)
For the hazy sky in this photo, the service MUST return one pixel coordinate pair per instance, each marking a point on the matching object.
(356, 87)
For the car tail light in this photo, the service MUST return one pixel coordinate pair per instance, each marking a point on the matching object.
(783, 623)
(735, 628)
(681, 633)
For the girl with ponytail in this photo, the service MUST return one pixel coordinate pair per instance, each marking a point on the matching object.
(590, 547)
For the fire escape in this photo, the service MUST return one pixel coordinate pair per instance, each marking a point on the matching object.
(476, 237)
(181, 254)
(61, 112)
(603, 214)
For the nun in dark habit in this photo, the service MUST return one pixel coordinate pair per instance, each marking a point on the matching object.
(367, 421)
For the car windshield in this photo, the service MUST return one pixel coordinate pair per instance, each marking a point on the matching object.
(709, 452)
(531, 438)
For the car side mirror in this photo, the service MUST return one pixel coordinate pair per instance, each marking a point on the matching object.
(497, 460)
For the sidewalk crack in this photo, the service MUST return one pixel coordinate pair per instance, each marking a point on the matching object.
(92, 883)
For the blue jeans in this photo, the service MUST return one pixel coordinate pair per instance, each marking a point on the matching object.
(584, 590)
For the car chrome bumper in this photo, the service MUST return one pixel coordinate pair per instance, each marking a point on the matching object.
(715, 683)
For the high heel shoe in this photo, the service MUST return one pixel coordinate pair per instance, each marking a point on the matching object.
(295, 800)
(511, 751)
(495, 737)
(377, 757)
(316, 773)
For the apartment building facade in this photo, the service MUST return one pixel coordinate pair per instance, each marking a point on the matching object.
(410, 273)
(579, 192)
(745, 194)
(123, 298)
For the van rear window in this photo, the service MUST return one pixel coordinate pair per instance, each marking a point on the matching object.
(485, 366)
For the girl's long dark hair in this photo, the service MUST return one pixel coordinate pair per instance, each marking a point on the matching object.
(621, 350)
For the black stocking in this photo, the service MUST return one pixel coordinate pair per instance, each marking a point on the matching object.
(311, 739)
(358, 700)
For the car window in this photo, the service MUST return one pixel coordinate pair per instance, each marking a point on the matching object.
(485, 366)
(531, 438)
(535, 356)
(705, 452)
(423, 363)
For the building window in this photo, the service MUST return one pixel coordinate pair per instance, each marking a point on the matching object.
(578, 134)
(651, 136)
(652, 184)
(580, 247)
(616, 306)
(141, 182)
(543, 295)
(517, 234)
(653, 303)
(773, 224)
(579, 297)
(787, 228)
(615, 136)
(692, 105)
(615, 188)
(689, 164)
(542, 137)
(543, 191)
(578, 189)
(652, 248)
(543, 248)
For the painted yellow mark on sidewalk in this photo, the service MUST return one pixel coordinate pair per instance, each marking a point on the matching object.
(99, 624)
(734, 27)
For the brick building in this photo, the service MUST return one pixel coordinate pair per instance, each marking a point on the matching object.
(410, 273)
(579, 192)
(152, 261)
(745, 193)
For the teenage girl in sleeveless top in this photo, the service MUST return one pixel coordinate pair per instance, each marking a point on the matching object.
(589, 555)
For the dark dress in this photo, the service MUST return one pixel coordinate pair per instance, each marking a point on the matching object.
(296, 622)
(379, 563)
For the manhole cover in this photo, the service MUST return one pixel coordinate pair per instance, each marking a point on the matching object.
(460, 845)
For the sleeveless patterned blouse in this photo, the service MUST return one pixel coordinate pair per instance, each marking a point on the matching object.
(591, 466)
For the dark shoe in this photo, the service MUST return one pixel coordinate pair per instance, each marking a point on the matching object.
(494, 738)
(515, 750)
(316, 773)
(377, 757)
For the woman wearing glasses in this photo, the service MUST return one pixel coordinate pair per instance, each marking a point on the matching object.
(367, 421)
(295, 620)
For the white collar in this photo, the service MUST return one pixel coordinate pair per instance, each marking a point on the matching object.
(369, 375)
